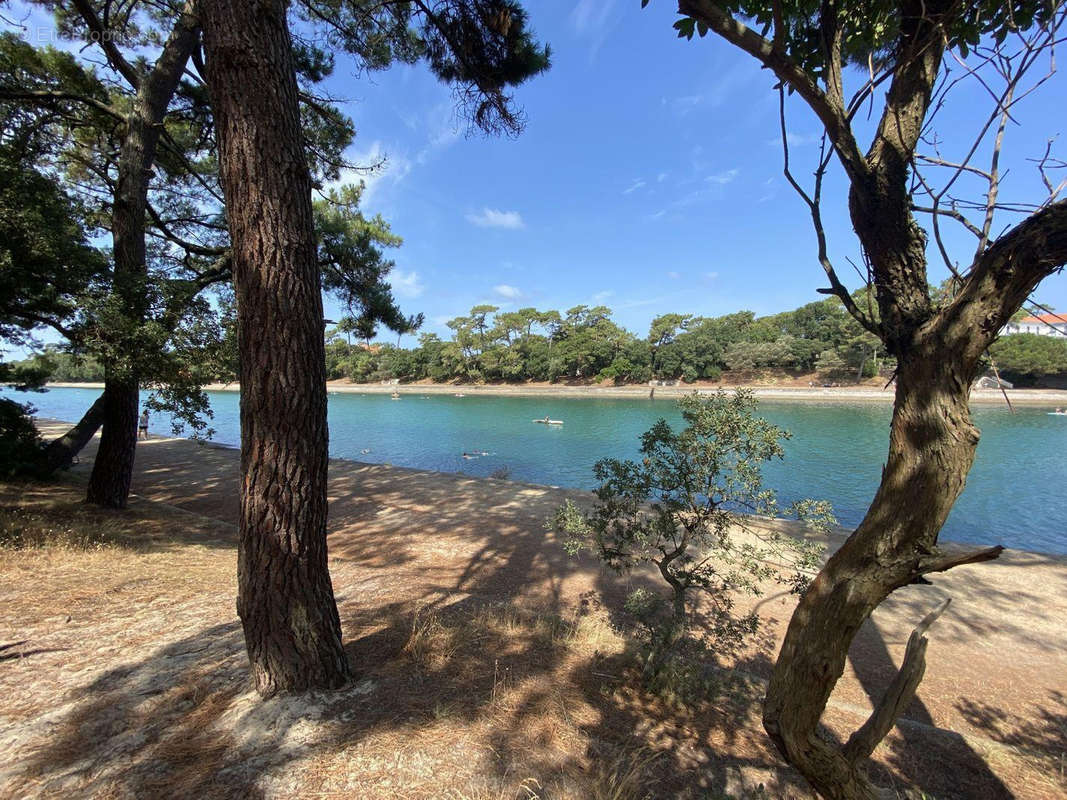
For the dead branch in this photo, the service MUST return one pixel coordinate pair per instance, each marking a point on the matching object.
(945, 563)
(813, 202)
(899, 694)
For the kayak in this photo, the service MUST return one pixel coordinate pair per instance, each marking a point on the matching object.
(549, 421)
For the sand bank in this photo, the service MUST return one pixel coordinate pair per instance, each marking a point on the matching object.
(1027, 397)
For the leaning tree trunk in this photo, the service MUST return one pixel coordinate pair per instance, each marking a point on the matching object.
(109, 483)
(931, 449)
(285, 599)
(61, 452)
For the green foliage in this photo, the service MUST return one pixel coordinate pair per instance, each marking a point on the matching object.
(59, 365)
(354, 268)
(872, 29)
(1025, 357)
(586, 344)
(686, 508)
(21, 449)
(61, 115)
(480, 47)
(45, 259)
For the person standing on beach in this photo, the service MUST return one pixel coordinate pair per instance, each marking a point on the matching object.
(142, 426)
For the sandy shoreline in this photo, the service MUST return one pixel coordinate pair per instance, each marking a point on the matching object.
(162, 626)
(1029, 397)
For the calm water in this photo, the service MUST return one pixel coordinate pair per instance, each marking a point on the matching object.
(1014, 494)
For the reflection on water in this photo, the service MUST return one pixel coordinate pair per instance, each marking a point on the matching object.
(1014, 494)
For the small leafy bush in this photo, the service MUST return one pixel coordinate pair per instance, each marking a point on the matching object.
(687, 509)
(21, 449)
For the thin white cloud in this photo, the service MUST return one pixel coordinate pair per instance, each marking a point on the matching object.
(406, 284)
(686, 103)
(443, 130)
(637, 184)
(375, 168)
(661, 177)
(659, 214)
(711, 275)
(796, 139)
(729, 83)
(600, 297)
(494, 218)
(591, 15)
(646, 301)
(510, 292)
(722, 178)
(673, 275)
(591, 19)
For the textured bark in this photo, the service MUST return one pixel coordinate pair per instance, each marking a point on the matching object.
(109, 483)
(932, 443)
(285, 599)
(60, 453)
(932, 446)
(931, 450)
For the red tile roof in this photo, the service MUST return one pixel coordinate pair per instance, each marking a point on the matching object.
(1049, 319)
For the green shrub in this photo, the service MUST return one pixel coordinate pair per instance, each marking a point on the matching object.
(21, 448)
(678, 509)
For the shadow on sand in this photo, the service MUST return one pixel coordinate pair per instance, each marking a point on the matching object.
(454, 603)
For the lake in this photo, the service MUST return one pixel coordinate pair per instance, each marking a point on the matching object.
(1015, 494)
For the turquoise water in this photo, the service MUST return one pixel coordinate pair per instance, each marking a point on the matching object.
(1014, 494)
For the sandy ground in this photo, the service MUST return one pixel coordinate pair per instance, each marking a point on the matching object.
(786, 391)
(132, 683)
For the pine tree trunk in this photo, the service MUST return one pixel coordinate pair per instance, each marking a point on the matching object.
(932, 447)
(109, 483)
(285, 599)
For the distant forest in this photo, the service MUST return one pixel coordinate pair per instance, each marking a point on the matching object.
(585, 344)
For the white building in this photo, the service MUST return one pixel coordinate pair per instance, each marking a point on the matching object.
(1043, 325)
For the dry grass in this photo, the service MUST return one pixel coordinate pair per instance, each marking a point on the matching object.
(123, 674)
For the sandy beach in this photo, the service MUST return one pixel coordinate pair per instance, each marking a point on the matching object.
(1030, 397)
(134, 676)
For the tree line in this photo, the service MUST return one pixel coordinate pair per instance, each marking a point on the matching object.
(585, 344)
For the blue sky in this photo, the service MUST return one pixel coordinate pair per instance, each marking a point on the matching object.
(649, 177)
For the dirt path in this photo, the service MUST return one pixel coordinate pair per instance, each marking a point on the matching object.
(150, 691)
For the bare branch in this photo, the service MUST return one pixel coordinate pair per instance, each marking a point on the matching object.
(951, 213)
(994, 174)
(104, 38)
(941, 162)
(900, 692)
(945, 563)
(1043, 166)
(191, 247)
(813, 203)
